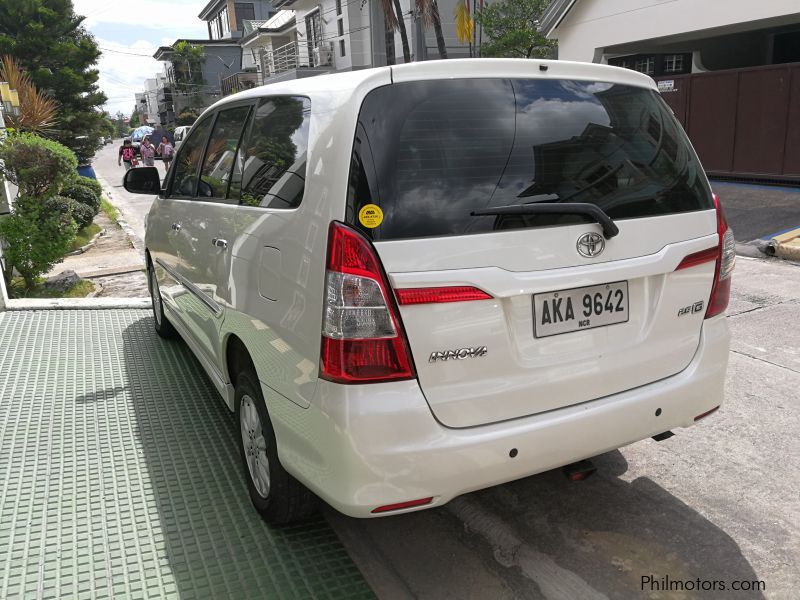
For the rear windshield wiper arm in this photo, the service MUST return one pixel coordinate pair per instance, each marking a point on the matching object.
(610, 229)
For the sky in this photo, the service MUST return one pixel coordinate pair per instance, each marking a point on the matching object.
(129, 33)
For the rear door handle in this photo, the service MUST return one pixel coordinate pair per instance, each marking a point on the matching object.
(176, 226)
(220, 243)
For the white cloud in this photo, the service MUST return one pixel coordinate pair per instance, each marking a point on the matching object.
(125, 63)
(123, 75)
(162, 14)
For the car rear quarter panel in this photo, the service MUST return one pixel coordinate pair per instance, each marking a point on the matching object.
(278, 257)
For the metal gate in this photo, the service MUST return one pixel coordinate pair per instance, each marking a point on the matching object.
(742, 122)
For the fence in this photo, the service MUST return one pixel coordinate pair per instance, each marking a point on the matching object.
(742, 122)
(296, 55)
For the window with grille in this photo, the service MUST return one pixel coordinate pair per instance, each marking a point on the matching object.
(673, 63)
(646, 65)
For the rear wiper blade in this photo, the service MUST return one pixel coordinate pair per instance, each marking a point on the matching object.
(610, 229)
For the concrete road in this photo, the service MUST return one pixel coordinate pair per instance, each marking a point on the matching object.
(717, 502)
(757, 211)
(133, 207)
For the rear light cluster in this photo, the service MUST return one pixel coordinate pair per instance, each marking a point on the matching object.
(362, 335)
(726, 259)
(724, 254)
(439, 295)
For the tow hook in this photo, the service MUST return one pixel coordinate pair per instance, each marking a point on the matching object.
(578, 471)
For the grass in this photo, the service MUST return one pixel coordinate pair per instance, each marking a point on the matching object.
(109, 209)
(85, 235)
(80, 290)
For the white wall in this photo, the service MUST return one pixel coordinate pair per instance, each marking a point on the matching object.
(596, 24)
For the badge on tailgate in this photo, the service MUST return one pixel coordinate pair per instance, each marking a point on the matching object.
(588, 307)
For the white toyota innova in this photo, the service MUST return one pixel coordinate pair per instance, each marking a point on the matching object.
(417, 281)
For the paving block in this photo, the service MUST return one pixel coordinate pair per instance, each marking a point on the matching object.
(120, 478)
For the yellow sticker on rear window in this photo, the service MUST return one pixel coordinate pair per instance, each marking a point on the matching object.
(370, 216)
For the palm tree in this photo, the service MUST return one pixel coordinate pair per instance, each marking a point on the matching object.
(38, 111)
(429, 11)
(394, 21)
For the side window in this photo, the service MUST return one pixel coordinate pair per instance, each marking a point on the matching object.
(271, 163)
(187, 162)
(216, 172)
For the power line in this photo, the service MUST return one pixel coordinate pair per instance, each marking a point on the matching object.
(122, 52)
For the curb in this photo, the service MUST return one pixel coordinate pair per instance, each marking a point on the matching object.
(87, 246)
(135, 240)
(76, 303)
(785, 245)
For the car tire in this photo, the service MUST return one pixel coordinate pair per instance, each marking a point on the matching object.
(160, 322)
(277, 496)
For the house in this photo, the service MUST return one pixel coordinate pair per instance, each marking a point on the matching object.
(729, 70)
(191, 85)
(185, 90)
(312, 37)
(225, 18)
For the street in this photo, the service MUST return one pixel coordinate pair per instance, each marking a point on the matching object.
(719, 501)
(133, 207)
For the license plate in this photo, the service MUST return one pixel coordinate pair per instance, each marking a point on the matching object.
(580, 308)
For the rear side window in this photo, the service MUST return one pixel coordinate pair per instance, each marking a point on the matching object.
(187, 163)
(430, 152)
(218, 163)
(270, 167)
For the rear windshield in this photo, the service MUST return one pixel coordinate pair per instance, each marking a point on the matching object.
(430, 152)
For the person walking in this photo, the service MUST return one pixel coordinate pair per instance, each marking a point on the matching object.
(127, 154)
(148, 152)
(166, 151)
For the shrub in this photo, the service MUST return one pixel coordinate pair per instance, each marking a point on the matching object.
(37, 238)
(90, 183)
(84, 195)
(82, 214)
(39, 167)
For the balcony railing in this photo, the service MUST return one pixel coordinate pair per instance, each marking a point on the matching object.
(238, 82)
(297, 55)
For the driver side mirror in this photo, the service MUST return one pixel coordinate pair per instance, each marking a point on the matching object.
(142, 180)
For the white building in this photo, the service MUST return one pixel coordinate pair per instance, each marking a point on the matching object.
(311, 37)
(715, 34)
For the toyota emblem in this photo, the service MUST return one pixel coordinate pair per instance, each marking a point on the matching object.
(591, 244)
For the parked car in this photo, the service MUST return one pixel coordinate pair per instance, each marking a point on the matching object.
(179, 134)
(417, 281)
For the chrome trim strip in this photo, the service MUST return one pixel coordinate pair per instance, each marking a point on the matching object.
(198, 293)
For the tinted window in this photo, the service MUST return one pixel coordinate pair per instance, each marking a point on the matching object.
(187, 162)
(431, 152)
(216, 172)
(271, 165)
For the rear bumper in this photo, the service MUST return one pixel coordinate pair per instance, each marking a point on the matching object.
(360, 447)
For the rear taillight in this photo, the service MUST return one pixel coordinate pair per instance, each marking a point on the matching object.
(362, 335)
(439, 295)
(726, 258)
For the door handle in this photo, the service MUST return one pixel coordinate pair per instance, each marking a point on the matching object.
(220, 243)
(176, 227)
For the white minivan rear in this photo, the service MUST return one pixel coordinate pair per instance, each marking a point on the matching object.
(417, 281)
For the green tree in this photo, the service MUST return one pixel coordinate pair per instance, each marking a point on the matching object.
(37, 238)
(39, 167)
(49, 41)
(135, 119)
(511, 27)
(187, 62)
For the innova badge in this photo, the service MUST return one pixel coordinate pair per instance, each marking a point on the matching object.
(591, 244)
